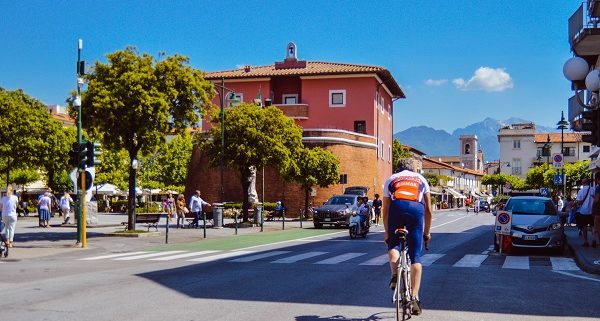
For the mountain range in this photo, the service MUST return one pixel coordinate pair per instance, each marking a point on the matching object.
(437, 142)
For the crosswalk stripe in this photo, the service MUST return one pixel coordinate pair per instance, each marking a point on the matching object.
(111, 256)
(516, 262)
(378, 260)
(296, 258)
(181, 256)
(563, 264)
(145, 256)
(340, 258)
(216, 257)
(259, 256)
(471, 260)
(428, 259)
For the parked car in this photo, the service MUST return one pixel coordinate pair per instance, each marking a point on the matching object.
(336, 211)
(484, 206)
(535, 223)
(356, 190)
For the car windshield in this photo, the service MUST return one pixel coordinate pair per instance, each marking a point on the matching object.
(531, 207)
(340, 200)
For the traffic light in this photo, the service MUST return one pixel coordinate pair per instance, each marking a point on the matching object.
(591, 123)
(93, 153)
(83, 156)
(74, 155)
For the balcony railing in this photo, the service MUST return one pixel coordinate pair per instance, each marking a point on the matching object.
(583, 30)
(295, 111)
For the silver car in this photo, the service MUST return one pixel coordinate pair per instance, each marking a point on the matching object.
(535, 223)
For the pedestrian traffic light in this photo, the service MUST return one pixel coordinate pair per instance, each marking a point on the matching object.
(74, 155)
(591, 123)
(83, 156)
(93, 153)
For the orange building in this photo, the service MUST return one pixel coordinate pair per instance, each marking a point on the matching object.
(344, 108)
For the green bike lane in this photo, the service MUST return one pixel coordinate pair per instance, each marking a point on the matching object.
(238, 242)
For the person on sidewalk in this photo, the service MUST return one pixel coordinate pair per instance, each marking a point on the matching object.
(181, 210)
(9, 214)
(583, 217)
(377, 208)
(65, 207)
(45, 205)
(170, 207)
(596, 213)
(196, 203)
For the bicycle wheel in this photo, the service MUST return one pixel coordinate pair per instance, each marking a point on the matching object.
(405, 294)
(398, 295)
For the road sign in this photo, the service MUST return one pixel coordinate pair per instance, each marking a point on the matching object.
(557, 160)
(559, 179)
(544, 191)
(503, 222)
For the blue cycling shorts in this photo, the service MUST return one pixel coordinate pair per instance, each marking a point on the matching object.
(411, 215)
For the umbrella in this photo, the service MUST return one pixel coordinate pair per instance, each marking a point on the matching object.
(107, 189)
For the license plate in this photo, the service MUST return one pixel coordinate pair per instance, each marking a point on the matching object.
(327, 219)
(530, 237)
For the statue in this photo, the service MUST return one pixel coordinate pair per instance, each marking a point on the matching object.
(252, 194)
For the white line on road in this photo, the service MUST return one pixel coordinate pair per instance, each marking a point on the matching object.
(429, 259)
(577, 276)
(460, 218)
(259, 256)
(181, 256)
(379, 260)
(145, 256)
(220, 256)
(471, 260)
(296, 258)
(563, 264)
(340, 258)
(516, 262)
(110, 256)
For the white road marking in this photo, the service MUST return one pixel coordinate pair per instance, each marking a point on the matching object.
(220, 256)
(428, 259)
(577, 276)
(340, 258)
(460, 218)
(259, 256)
(147, 255)
(181, 256)
(296, 258)
(378, 260)
(111, 256)
(516, 262)
(471, 260)
(563, 264)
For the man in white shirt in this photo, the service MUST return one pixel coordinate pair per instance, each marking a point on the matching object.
(65, 207)
(583, 216)
(196, 203)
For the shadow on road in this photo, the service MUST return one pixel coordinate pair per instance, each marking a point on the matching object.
(372, 317)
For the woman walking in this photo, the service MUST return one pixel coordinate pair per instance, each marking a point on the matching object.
(45, 204)
(9, 214)
(181, 210)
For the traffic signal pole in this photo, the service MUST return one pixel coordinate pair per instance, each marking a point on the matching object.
(80, 168)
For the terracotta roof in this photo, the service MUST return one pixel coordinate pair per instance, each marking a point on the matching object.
(313, 68)
(446, 159)
(65, 119)
(555, 137)
(434, 164)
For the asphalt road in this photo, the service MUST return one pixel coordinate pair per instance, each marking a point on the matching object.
(322, 277)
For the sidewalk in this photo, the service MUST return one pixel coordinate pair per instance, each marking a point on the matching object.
(587, 258)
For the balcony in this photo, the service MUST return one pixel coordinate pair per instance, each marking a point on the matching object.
(294, 111)
(584, 34)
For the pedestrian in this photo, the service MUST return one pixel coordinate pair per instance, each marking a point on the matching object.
(377, 208)
(181, 210)
(196, 203)
(560, 204)
(583, 216)
(569, 209)
(476, 206)
(170, 206)
(596, 212)
(65, 207)
(9, 214)
(45, 205)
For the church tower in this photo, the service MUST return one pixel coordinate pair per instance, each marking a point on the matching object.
(468, 151)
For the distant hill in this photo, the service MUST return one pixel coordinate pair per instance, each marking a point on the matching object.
(439, 142)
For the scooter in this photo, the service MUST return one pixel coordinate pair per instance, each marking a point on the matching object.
(358, 226)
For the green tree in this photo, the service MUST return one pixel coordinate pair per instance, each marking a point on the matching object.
(540, 176)
(432, 178)
(172, 163)
(113, 168)
(575, 172)
(133, 101)
(254, 137)
(399, 151)
(316, 166)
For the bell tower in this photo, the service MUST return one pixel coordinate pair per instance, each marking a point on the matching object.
(468, 151)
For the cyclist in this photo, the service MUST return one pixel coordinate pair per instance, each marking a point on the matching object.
(406, 202)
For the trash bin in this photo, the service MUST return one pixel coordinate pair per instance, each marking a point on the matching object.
(218, 214)
(257, 213)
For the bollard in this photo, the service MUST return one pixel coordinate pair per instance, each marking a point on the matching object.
(283, 219)
(262, 221)
(235, 221)
(204, 221)
(167, 230)
(301, 211)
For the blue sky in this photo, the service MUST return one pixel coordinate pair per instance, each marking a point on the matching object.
(458, 61)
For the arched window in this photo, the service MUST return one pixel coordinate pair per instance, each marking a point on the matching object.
(467, 149)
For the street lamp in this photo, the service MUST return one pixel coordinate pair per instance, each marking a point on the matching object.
(562, 125)
(135, 164)
(546, 148)
(577, 70)
(222, 101)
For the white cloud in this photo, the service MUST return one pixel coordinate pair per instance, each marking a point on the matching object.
(435, 82)
(487, 79)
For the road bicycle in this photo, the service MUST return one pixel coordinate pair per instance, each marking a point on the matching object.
(403, 289)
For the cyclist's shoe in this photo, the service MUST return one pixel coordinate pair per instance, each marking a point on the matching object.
(416, 306)
(393, 281)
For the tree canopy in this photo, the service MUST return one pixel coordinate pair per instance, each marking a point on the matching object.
(399, 151)
(132, 101)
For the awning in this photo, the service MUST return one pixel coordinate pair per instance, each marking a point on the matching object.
(454, 193)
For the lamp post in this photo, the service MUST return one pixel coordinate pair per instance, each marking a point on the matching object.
(134, 165)
(77, 105)
(222, 94)
(562, 125)
(547, 147)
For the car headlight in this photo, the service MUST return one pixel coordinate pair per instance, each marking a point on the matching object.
(555, 226)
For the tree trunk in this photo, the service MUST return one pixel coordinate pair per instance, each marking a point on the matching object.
(245, 203)
(306, 189)
(131, 200)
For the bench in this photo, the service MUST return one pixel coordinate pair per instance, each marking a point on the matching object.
(275, 214)
(209, 217)
(151, 220)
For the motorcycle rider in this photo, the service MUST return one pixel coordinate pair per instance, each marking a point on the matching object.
(363, 212)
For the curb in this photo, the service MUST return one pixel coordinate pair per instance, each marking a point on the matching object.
(582, 261)
(147, 234)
